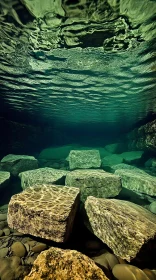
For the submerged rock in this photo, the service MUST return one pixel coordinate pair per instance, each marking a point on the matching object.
(84, 159)
(18, 163)
(97, 183)
(132, 156)
(4, 178)
(128, 272)
(59, 264)
(110, 160)
(122, 225)
(124, 166)
(46, 211)
(41, 176)
(138, 181)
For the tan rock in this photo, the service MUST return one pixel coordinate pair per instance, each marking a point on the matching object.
(39, 247)
(3, 217)
(122, 225)
(46, 211)
(3, 252)
(128, 272)
(61, 264)
(18, 249)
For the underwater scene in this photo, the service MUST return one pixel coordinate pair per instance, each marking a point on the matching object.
(78, 140)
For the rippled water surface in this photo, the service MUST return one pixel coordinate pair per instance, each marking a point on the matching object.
(80, 85)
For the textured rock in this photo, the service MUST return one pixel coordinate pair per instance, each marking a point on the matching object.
(84, 159)
(41, 176)
(18, 249)
(64, 264)
(132, 156)
(143, 137)
(124, 166)
(4, 179)
(122, 225)
(45, 211)
(138, 181)
(152, 207)
(18, 163)
(128, 272)
(97, 183)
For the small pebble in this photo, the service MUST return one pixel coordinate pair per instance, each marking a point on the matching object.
(3, 224)
(6, 231)
(1, 232)
(39, 247)
(3, 252)
(3, 217)
(18, 249)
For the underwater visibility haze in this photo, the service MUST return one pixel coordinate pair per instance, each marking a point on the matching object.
(78, 139)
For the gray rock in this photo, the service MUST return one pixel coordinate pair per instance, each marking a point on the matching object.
(138, 181)
(122, 225)
(18, 163)
(84, 159)
(132, 156)
(41, 176)
(124, 166)
(4, 179)
(112, 148)
(46, 211)
(97, 183)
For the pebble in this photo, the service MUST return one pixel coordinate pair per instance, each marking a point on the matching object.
(3, 224)
(1, 232)
(18, 249)
(8, 275)
(39, 247)
(6, 231)
(3, 217)
(15, 262)
(4, 252)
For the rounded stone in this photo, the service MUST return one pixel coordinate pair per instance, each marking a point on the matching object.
(6, 231)
(18, 249)
(15, 262)
(39, 247)
(4, 265)
(3, 217)
(1, 232)
(3, 252)
(8, 275)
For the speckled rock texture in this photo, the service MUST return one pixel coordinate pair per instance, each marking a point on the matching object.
(122, 225)
(18, 163)
(58, 264)
(97, 183)
(4, 179)
(143, 137)
(125, 166)
(138, 181)
(84, 159)
(41, 176)
(46, 211)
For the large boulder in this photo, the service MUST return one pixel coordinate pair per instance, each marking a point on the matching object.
(144, 137)
(97, 183)
(59, 264)
(122, 225)
(46, 211)
(4, 179)
(84, 159)
(41, 176)
(138, 181)
(18, 163)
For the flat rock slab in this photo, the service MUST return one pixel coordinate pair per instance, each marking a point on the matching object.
(41, 176)
(122, 225)
(64, 264)
(132, 156)
(124, 166)
(4, 179)
(84, 159)
(96, 182)
(18, 163)
(110, 160)
(138, 181)
(44, 211)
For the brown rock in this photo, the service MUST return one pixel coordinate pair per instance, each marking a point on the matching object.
(66, 265)
(150, 274)
(3, 217)
(3, 252)
(18, 249)
(122, 225)
(128, 272)
(15, 262)
(46, 211)
(6, 231)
